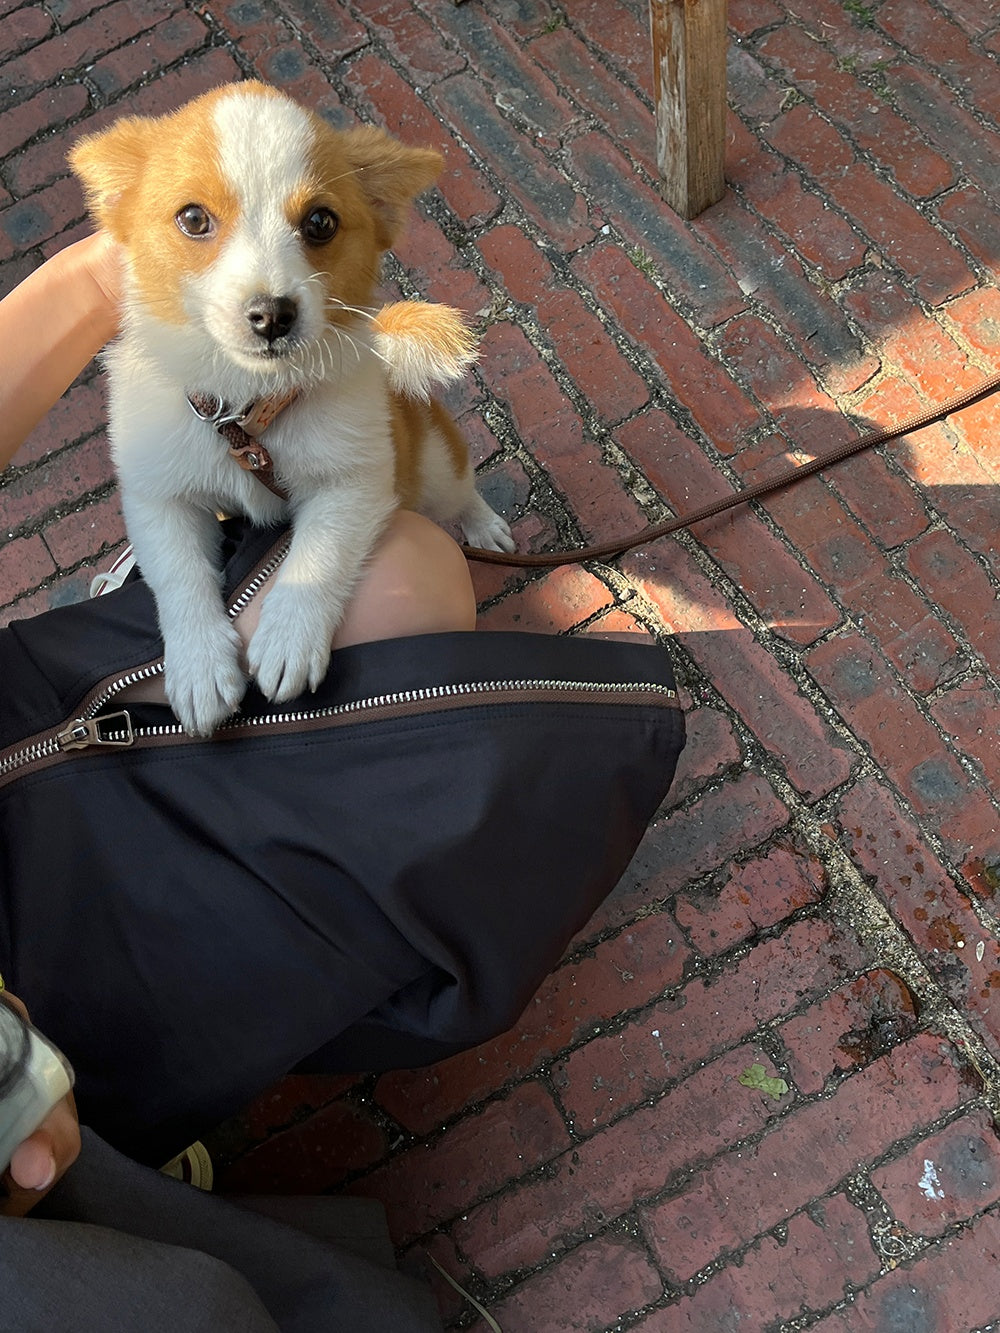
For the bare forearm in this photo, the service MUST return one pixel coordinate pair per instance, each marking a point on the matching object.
(51, 325)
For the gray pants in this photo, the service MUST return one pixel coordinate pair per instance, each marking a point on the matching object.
(118, 1248)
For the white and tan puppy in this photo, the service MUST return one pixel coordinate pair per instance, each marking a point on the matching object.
(253, 235)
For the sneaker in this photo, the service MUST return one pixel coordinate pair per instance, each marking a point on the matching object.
(193, 1166)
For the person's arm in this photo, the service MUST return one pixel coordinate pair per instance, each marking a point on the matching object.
(51, 325)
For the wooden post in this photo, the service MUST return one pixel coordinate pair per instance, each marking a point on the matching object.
(689, 79)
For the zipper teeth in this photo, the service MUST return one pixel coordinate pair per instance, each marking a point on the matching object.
(50, 746)
(260, 578)
(156, 669)
(426, 695)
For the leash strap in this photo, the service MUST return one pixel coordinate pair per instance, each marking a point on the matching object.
(608, 550)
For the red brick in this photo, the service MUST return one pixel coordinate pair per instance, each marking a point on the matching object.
(440, 272)
(826, 1251)
(688, 269)
(412, 40)
(784, 593)
(542, 192)
(330, 27)
(86, 533)
(32, 221)
(616, 29)
(425, 1185)
(621, 974)
(977, 319)
(79, 413)
(975, 219)
(757, 894)
(820, 235)
(694, 378)
(961, 587)
(403, 113)
(24, 565)
(946, 1178)
(548, 418)
(621, 1069)
(746, 675)
(23, 28)
(928, 257)
(520, 89)
(177, 36)
(316, 1155)
(807, 314)
(688, 843)
(909, 630)
(968, 714)
(851, 1027)
(759, 360)
(608, 1278)
(63, 480)
(926, 901)
(958, 133)
(944, 1288)
(710, 749)
(580, 339)
(80, 44)
(746, 1193)
(880, 713)
(551, 605)
(597, 1181)
(58, 592)
(593, 87)
(870, 121)
(39, 114)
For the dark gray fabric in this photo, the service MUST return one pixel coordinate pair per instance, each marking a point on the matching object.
(72, 1277)
(120, 1245)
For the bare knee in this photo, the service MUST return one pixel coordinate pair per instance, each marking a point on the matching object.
(416, 582)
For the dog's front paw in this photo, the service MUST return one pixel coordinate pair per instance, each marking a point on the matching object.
(290, 649)
(485, 529)
(203, 677)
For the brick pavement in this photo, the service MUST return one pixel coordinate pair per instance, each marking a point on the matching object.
(759, 1090)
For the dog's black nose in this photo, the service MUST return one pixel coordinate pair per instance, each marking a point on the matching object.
(271, 317)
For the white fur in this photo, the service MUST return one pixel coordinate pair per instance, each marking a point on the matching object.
(331, 449)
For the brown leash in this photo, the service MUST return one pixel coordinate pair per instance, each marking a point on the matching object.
(607, 550)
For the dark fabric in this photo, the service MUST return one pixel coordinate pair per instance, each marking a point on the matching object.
(192, 921)
(117, 1248)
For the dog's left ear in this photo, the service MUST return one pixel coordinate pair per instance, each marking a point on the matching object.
(391, 176)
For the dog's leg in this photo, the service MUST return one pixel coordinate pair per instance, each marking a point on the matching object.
(177, 549)
(333, 534)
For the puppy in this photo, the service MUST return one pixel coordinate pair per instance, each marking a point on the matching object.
(253, 234)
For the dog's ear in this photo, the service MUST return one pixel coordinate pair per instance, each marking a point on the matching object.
(391, 175)
(108, 164)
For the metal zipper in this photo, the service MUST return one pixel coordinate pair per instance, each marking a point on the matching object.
(88, 728)
(118, 730)
(94, 728)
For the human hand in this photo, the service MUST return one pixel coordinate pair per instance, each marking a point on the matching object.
(101, 259)
(44, 1156)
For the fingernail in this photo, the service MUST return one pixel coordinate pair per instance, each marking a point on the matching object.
(50, 1175)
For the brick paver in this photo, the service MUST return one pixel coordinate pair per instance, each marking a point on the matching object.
(758, 1092)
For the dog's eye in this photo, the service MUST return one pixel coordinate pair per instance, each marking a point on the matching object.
(320, 225)
(195, 221)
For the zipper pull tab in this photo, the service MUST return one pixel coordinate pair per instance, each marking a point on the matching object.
(110, 729)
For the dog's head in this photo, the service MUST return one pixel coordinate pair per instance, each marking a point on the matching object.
(247, 217)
